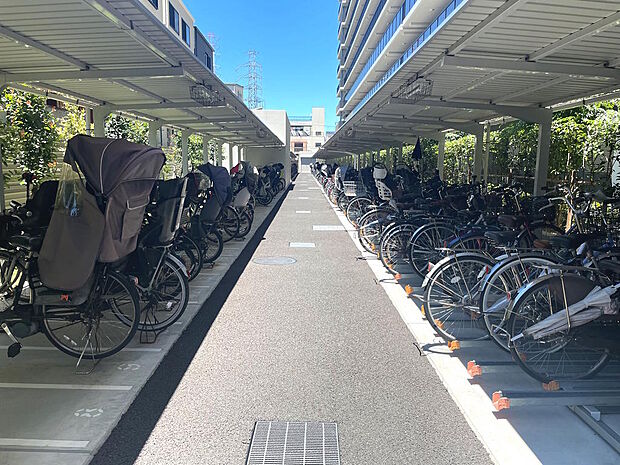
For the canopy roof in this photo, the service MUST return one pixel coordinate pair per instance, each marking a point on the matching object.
(117, 55)
(486, 61)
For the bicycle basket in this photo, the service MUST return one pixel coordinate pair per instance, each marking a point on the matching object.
(353, 188)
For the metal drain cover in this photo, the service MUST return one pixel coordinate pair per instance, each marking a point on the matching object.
(274, 260)
(294, 443)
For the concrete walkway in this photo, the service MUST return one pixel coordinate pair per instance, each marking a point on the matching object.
(313, 340)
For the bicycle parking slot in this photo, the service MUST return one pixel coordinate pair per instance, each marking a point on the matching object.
(454, 296)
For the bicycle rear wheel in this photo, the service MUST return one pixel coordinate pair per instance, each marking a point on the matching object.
(189, 253)
(100, 328)
(560, 355)
(167, 300)
(500, 289)
(393, 250)
(211, 245)
(452, 295)
(228, 223)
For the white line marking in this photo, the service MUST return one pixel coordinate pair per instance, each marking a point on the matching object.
(302, 198)
(67, 387)
(314, 188)
(43, 443)
(54, 349)
(302, 245)
(327, 227)
(303, 212)
(498, 436)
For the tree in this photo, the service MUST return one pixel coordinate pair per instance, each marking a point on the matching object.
(30, 135)
(120, 127)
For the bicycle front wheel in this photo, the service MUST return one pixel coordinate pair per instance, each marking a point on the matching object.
(100, 328)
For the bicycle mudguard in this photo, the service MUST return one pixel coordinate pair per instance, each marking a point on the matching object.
(178, 262)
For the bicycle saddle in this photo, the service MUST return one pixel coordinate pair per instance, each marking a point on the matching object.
(502, 237)
(27, 242)
(573, 241)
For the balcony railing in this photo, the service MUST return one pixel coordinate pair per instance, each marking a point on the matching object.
(437, 24)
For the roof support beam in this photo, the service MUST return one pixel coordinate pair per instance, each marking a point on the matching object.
(594, 28)
(530, 114)
(159, 72)
(5, 31)
(499, 64)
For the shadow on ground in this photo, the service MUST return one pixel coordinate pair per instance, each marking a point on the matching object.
(127, 439)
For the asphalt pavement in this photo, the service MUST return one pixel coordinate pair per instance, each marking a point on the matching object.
(317, 339)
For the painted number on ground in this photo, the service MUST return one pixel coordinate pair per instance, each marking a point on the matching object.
(128, 367)
(88, 412)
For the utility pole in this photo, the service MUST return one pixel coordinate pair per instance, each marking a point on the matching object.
(254, 78)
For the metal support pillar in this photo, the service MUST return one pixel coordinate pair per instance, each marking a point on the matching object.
(229, 157)
(542, 156)
(357, 162)
(478, 153)
(88, 119)
(205, 149)
(441, 153)
(154, 127)
(2, 204)
(185, 152)
(218, 158)
(487, 151)
(99, 116)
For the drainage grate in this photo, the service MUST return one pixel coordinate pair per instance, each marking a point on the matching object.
(274, 260)
(294, 443)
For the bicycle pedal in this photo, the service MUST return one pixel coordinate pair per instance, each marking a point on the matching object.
(14, 350)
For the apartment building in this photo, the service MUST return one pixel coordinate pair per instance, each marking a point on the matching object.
(308, 134)
(175, 15)
(374, 36)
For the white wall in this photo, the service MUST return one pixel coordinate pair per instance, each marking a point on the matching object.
(277, 121)
(162, 14)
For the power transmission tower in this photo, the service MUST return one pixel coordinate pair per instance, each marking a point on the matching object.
(254, 78)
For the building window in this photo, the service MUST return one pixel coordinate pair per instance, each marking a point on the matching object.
(298, 147)
(209, 62)
(318, 144)
(318, 133)
(186, 34)
(155, 4)
(173, 18)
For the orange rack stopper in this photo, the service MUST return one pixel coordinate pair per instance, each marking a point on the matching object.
(500, 402)
(408, 289)
(473, 369)
(454, 345)
(423, 310)
(551, 386)
(398, 276)
(439, 324)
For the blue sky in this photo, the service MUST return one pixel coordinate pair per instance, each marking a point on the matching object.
(297, 44)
